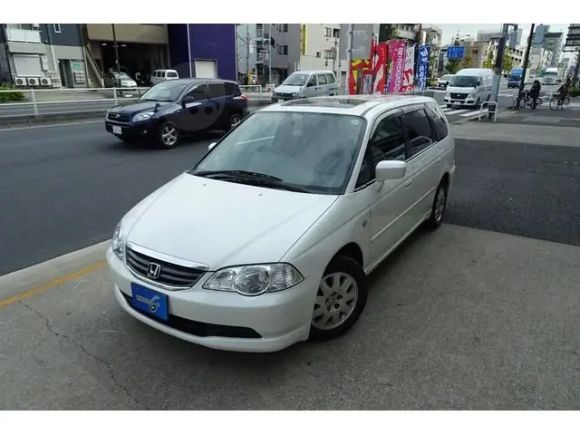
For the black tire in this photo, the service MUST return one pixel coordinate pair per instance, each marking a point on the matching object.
(437, 213)
(168, 135)
(346, 267)
(235, 119)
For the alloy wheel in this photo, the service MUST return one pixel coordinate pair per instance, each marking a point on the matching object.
(169, 135)
(440, 204)
(336, 300)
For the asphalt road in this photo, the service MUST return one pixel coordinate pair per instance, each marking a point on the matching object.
(64, 188)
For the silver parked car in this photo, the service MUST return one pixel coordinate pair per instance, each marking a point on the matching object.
(306, 84)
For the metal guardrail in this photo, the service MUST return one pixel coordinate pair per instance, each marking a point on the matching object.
(38, 102)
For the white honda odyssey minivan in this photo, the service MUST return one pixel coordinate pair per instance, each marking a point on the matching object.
(269, 238)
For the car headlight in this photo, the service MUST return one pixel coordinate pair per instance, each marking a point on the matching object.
(294, 94)
(118, 243)
(254, 279)
(143, 116)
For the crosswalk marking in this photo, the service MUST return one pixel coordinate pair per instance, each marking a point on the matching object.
(472, 113)
(454, 112)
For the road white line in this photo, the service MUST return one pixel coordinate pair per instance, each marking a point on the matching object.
(32, 127)
(472, 113)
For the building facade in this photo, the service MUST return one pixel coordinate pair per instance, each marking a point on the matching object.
(553, 43)
(42, 55)
(203, 50)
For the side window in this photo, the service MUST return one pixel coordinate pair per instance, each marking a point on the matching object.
(321, 79)
(437, 121)
(419, 133)
(312, 81)
(230, 89)
(386, 143)
(329, 78)
(171, 74)
(216, 90)
(199, 93)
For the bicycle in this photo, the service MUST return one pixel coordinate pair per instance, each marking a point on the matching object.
(526, 101)
(557, 102)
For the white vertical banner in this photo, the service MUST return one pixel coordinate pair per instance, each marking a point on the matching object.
(409, 73)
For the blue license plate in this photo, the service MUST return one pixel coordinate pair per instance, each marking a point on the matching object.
(149, 301)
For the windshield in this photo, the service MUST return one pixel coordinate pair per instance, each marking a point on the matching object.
(165, 91)
(463, 81)
(296, 80)
(551, 73)
(311, 152)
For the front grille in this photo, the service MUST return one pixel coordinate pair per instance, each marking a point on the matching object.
(170, 274)
(283, 95)
(458, 96)
(120, 117)
(200, 329)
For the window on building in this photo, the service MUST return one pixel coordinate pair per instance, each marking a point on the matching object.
(327, 32)
(285, 28)
(282, 49)
(336, 33)
(318, 54)
(56, 28)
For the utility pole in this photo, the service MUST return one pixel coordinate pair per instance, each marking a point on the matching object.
(349, 57)
(247, 54)
(116, 47)
(526, 60)
(270, 54)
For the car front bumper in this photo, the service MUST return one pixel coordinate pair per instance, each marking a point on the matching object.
(279, 319)
(131, 131)
(469, 101)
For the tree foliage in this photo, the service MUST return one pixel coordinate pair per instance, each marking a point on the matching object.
(453, 66)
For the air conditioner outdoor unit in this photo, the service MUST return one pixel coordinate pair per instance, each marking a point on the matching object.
(45, 81)
(20, 81)
(32, 81)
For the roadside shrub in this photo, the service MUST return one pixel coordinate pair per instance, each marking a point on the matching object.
(575, 91)
(7, 97)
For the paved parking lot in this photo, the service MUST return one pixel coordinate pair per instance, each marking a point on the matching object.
(460, 318)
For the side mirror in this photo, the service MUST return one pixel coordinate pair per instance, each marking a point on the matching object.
(390, 170)
(211, 146)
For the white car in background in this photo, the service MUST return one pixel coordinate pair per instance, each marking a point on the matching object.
(269, 239)
(306, 84)
(161, 75)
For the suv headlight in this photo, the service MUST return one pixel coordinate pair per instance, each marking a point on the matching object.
(118, 242)
(254, 279)
(143, 116)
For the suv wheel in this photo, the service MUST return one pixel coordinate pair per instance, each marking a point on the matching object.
(234, 120)
(169, 135)
(341, 298)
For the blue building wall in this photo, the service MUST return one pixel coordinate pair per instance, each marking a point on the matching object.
(207, 42)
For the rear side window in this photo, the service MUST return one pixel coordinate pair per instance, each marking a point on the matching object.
(321, 79)
(437, 121)
(216, 90)
(386, 143)
(330, 78)
(419, 132)
(171, 74)
(232, 89)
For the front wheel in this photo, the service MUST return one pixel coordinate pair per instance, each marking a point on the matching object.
(553, 103)
(340, 300)
(169, 135)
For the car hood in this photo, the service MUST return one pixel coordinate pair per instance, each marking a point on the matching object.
(137, 107)
(218, 223)
(288, 89)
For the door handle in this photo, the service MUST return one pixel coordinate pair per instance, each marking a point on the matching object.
(408, 184)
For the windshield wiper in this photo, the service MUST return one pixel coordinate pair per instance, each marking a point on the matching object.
(251, 178)
(238, 173)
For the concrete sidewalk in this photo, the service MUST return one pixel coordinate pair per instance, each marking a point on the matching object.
(456, 319)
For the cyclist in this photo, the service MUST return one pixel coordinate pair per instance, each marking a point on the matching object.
(534, 94)
(563, 91)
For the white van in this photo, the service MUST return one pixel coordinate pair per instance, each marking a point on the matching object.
(470, 87)
(305, 84)
(160, 75)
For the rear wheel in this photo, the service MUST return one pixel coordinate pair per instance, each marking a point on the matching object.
(169, 135)
(340, 300)
(554, 103)
(234, 120)
(438, 207)
(565, 103)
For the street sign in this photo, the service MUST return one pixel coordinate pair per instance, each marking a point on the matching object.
(455, 52)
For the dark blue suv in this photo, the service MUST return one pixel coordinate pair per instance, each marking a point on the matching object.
(173, 108)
